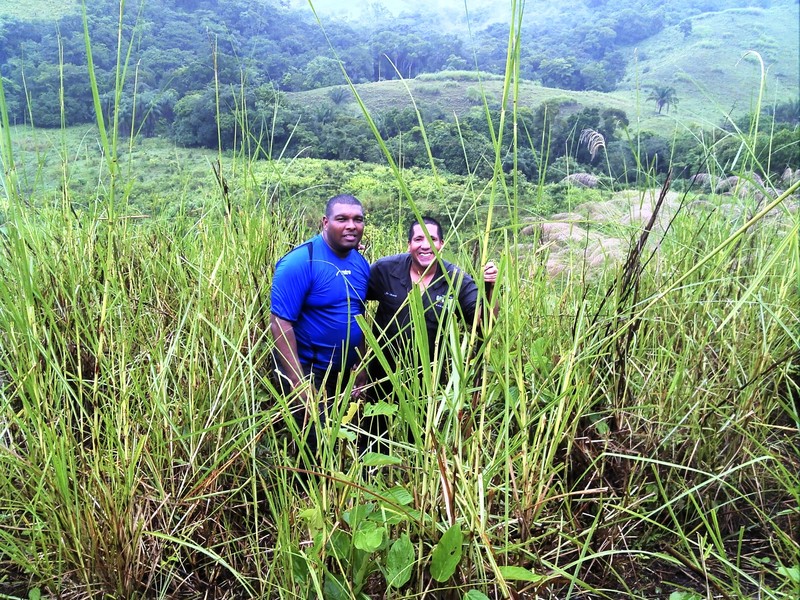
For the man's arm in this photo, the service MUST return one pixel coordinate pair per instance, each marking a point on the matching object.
(286, 345)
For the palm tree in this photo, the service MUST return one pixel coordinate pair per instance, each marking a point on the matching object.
(787, 112)
(663, 96)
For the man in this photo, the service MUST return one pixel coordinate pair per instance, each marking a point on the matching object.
(318, 289)
(444, 289)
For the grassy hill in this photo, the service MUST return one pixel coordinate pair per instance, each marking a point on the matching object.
(710, 69)
(161, 179)
(457, 96)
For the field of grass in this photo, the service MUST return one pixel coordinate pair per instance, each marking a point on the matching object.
(616, 437)
(629, 431)
(457, 96)
(162, 180)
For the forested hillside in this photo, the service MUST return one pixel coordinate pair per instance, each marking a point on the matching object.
(201, 72)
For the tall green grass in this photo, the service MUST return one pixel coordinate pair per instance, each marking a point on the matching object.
(623, 433)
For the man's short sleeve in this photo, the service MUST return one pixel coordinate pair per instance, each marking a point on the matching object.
(290, 284)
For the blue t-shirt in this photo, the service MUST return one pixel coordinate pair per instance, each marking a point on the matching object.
(321, 298)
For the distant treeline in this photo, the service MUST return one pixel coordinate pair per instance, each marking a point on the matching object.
(178, 47)
(202, 72)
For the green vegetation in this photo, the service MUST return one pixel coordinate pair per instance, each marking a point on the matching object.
(712, 69)
(32, 9)
(627, 430)
(610, 47)
(196, 83)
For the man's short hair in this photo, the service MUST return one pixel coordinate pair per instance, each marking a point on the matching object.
(341, 199)
(426, 221)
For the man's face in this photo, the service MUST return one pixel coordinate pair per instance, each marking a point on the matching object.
(420, 249)
(343, 228)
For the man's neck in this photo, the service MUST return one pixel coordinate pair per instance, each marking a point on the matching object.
(339, 253)
(423, 274)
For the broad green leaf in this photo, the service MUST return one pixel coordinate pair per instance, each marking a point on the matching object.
(361, 566)
(599, 422)
(415, 515)
(358, 513)
(399, 562)
(792, 573)
(300, 570)
(388, 515)
(313, 517)
(475, 595)
(379, 408)
(335, 588)
(538, 354)
(447, 554)
(512, 573)
(339, 544)
(375, 459)
(344, 434)
(368, 537)
(685, 596)
(399, 495)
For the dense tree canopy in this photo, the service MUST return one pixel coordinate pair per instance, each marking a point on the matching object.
(188, 46)
(205, 71)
